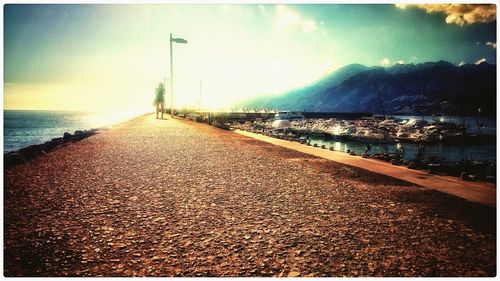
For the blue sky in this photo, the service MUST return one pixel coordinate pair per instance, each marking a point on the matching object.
(104, 57)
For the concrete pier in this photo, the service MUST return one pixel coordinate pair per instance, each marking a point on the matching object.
(178, 198)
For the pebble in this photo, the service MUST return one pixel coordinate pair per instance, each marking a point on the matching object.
(177, 198)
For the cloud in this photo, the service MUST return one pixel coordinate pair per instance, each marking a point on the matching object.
(385, 61)
(288, 19)
(480, 61)
(459, 13)
(492, 44)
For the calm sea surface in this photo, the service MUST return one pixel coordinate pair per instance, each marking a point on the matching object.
(26, 127)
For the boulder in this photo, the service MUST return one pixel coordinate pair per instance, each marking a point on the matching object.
(57, 140)
(13, 158)
(67, 136)
(48, 146)
(31, 151)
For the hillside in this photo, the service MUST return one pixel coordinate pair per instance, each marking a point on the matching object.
(427, 88)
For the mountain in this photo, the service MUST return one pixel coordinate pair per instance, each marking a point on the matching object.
(426, 88)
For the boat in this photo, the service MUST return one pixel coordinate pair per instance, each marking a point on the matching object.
(281, 124)
(288, 115)
(366, 135)
(341, 131)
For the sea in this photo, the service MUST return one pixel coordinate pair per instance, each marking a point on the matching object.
(26, 127)
(451, 153)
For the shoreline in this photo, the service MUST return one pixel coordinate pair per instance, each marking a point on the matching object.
(29, 152)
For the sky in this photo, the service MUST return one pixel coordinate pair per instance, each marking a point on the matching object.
(112, 57)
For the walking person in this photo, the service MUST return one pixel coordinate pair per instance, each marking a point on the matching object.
(159, 101)
(368, 148)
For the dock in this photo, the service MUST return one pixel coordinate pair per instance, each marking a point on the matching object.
(480, 192)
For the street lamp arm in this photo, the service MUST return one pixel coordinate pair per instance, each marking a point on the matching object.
(179, 40)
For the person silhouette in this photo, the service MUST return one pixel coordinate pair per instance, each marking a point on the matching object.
(159, 100)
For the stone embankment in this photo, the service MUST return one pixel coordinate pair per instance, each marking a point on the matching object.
(25, 154)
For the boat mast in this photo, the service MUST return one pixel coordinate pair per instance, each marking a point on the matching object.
(477, 120)
(379, 100)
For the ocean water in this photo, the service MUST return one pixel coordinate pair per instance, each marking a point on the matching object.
(27, 127)
(448, 152)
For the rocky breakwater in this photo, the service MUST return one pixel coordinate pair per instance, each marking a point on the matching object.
(27, 153)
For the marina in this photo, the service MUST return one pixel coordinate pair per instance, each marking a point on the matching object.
(451, 146)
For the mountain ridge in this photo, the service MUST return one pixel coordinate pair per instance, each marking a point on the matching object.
(426, 88)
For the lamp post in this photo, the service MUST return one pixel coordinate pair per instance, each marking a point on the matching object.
(181, 41)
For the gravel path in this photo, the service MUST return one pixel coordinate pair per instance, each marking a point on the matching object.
(176, 198)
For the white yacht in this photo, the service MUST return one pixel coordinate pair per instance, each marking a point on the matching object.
(288, 115)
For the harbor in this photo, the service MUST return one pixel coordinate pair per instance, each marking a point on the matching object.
(223, 204)
(438, 144)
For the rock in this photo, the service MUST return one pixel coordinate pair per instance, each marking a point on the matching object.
(293, 274)
(48, 146)
(78, 132)
(12, 159)
(67, 136)
(57, 140)
(30, 152)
